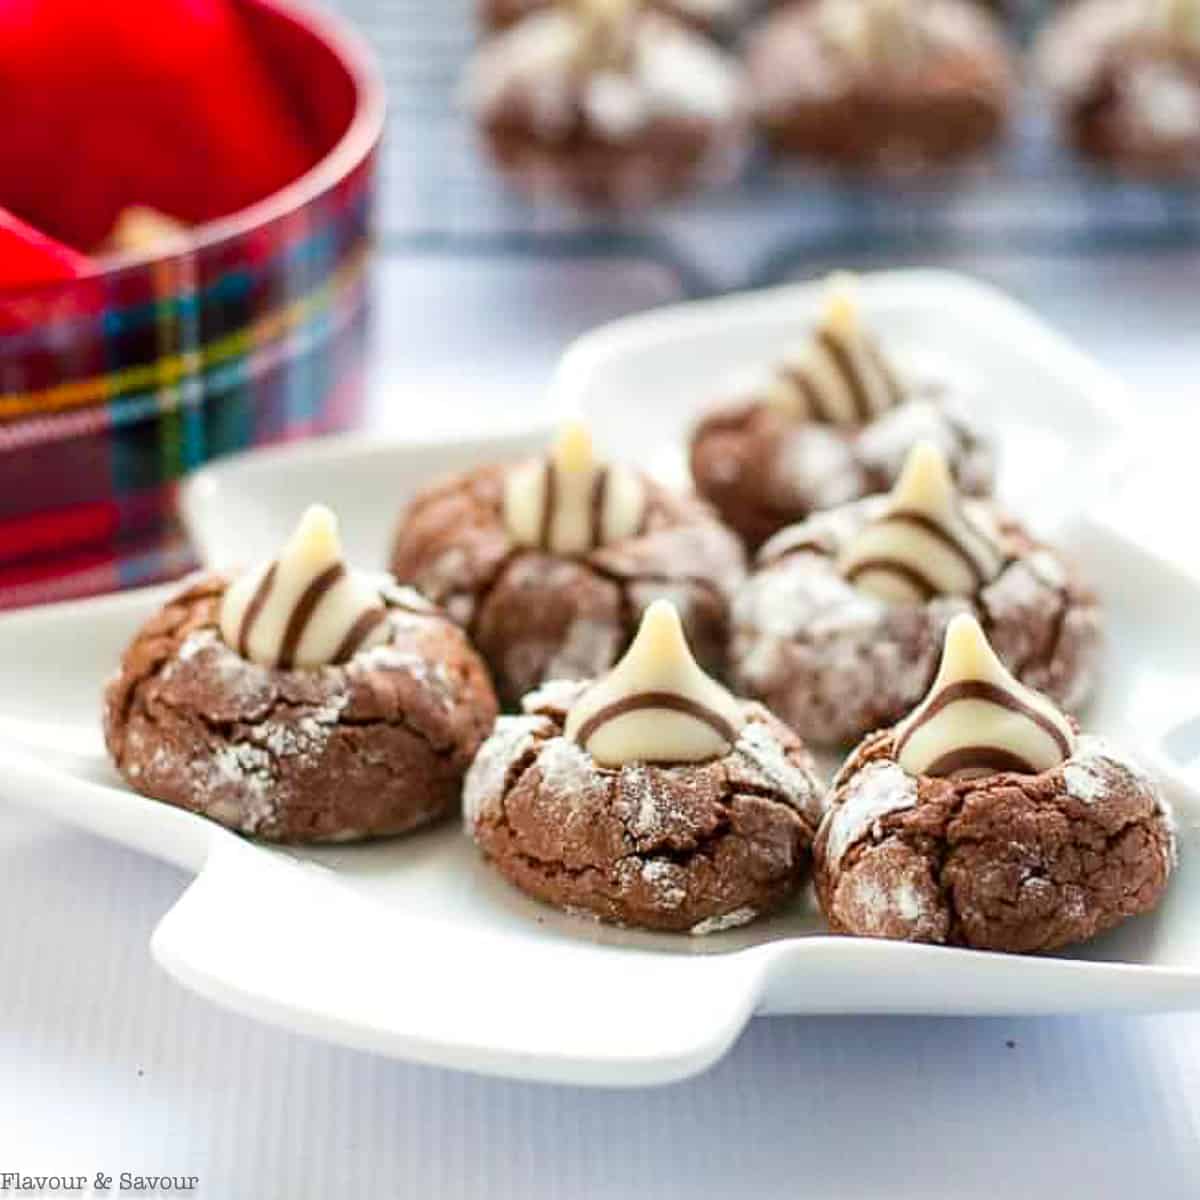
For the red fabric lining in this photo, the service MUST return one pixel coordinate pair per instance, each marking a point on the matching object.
(166, 103)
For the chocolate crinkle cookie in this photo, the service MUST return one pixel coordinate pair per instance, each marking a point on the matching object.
(1006, 862)
(838, 634)
(987, 820)
(695, 846)
(603, 104)
(830, 422)
(1125, 76)
(898, 85)
(371, 745)
(538, 607)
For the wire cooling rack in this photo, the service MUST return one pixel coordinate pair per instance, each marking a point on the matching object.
(1031, 198)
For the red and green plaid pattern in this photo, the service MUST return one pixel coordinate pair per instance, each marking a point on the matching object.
(113, 388)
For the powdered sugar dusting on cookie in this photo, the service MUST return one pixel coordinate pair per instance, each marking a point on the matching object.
(302, 738)
(195, 643)
(1047, 567)
(667, 880)
(801, 619)
(815, 468)
(237, 782)
(842, 674)
(1018, 589)
(1161, 98)
(655, 803)
(244, 771)
(567, 770)
(1087, 772)
(891, 897)
(763, 751)
(401, 598)
(587, 649)
(718, 924)
(205, 652)
(682, 595)
(1074, 48)
(511, 740)
(394, 658)
(540, 46)
(829, 530)
(906, 901)
(245, 688)
(448, 574)
(460, 609)
(554, 697)
(1094, 771)
(428, 673)
(685, 75)
(672, 73)
(877, 903)
(225, 662)
(885, 443)
(648, 807)
(879, 789)
(804, 595)
(405, 624)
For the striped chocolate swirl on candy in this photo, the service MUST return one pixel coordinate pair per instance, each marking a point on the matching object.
(978, 719)
(307, 608)
(927, 542)
(568, 503)
(841, 377)
(656, 705)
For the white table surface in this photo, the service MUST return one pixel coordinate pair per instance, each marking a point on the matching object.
(106, 1065)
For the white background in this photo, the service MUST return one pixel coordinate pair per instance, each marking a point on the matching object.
(106, 1065)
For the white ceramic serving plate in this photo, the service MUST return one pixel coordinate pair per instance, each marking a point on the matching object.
(415, 948)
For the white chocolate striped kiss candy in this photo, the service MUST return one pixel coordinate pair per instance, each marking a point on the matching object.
(978, 719)
(885, 33)
(656, 705)
(568, 503)
(604, 30)
(305, 609)
(1177, 19)
(923, 544)
(841, 376)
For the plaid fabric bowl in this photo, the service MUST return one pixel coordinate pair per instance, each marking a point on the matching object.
(247, 333)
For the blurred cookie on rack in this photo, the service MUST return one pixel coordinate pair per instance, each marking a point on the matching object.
(1125, 76)
(896, 85)
(608, 103)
